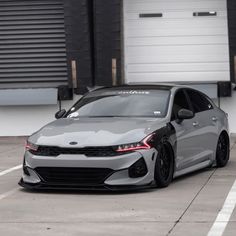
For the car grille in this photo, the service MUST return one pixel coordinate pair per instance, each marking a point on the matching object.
(76, 176)
(89, 151)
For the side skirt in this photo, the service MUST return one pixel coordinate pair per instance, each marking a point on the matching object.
(196, 167)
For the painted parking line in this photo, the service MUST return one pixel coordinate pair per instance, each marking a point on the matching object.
(225, 213)
(9, 193)
(10, 170)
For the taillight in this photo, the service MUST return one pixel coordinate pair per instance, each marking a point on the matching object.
(31, 147)
(144, 144)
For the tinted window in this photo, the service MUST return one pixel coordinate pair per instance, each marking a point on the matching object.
(122, 103)
(199, 101)
(180, 102)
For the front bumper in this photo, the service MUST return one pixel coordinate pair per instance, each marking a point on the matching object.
(119, 178)
(104, 187)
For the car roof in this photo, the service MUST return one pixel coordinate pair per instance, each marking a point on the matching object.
(160, 86)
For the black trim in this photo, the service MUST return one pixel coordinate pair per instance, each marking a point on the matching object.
(213, 13)
(138, 169)
(73, 175)
(54, 151)
(150, 15)
(65, 93)
(224, 89)
(104, 187)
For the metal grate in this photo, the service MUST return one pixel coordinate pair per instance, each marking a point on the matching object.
(80, 176)
(32, 44)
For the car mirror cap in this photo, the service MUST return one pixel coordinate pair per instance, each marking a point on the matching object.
(184, 114)
(60, 114)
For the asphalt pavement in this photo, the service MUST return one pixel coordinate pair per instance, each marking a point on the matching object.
(189, 206)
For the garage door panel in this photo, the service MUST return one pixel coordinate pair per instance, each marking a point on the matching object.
(184, 40)
(176, 59)
(31, 17)
(46, 65)
(173, 5)
(33, 55)
(39, 12)
(38, 60)
(32, 22)
(175, 15)
(181, 24)
(19, 7)
(178, 67)
(31, 36)
(28, 3)
(31, 31)
(176, 46)
(28, 46)
(176, 32)
(178, 77)
(178, 50)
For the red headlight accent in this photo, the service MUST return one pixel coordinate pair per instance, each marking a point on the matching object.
(31, 147)
(136, 146)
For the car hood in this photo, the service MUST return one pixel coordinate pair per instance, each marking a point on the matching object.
(87, 132)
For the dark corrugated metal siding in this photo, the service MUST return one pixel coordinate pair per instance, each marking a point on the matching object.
(32, 44)
(232, 37)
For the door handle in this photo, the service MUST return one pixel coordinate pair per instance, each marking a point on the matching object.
(195, 124)
(214, 118)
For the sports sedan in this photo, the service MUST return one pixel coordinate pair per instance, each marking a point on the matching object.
(127, 137)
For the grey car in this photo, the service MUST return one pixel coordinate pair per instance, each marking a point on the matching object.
(127, 137)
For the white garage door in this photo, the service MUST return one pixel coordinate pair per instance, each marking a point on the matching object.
(176, 40)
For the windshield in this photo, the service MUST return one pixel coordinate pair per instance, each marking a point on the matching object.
(122, 103)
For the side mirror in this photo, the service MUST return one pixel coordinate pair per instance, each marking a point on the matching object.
(184, 114)
(60, 114)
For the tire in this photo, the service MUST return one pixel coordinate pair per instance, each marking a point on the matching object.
(164, 167)
(222, 150)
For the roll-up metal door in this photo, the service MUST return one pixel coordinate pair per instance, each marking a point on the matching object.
(32, 44)
(176, 41)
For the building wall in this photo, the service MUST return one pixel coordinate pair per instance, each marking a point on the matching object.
(25, 120)
(229, 105)
(79, 42)
(95, 68)
(107, 43)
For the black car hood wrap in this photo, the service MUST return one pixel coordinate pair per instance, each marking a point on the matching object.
(88, 132)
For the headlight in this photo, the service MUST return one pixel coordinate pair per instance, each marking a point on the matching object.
(31, 147)
(146, 143)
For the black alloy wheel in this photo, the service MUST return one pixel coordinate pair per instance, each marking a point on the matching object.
(222, 151)
(164, 167)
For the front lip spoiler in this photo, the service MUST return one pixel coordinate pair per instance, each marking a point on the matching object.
(103, 187)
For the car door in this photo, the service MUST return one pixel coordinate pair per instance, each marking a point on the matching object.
(205, 122)
(186, 141)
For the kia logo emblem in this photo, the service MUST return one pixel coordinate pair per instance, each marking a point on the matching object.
(73, 143)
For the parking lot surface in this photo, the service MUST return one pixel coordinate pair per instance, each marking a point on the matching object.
(189, 206)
